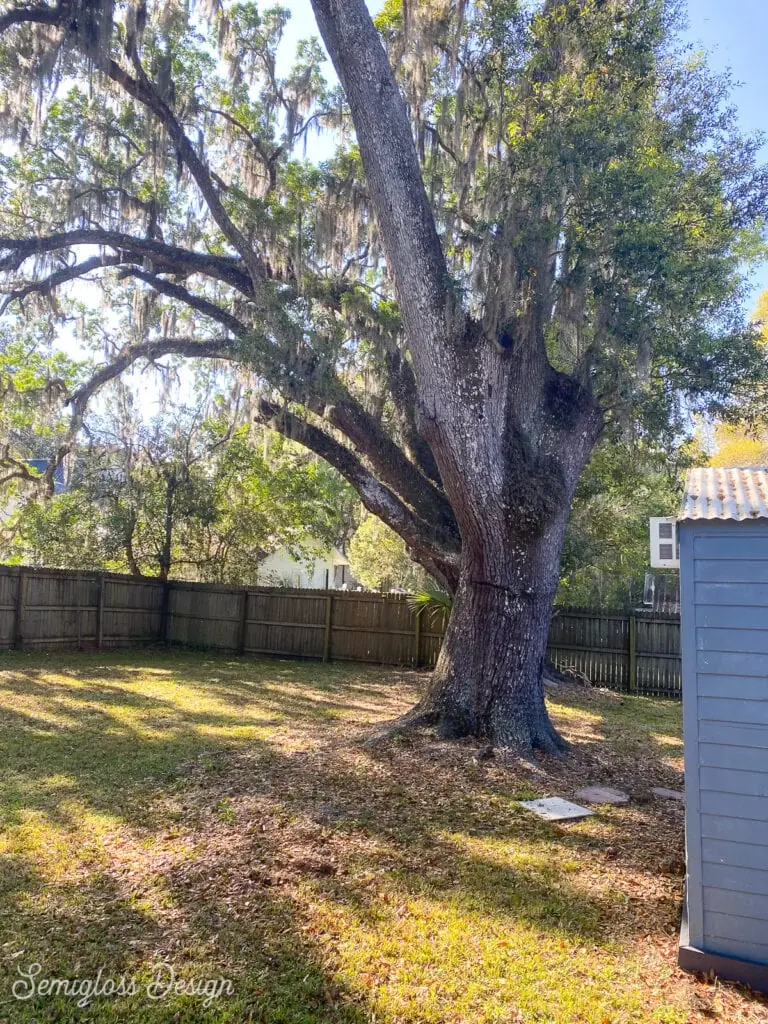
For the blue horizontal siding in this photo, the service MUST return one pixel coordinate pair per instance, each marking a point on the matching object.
(733, 710)
(717, 755)
(726, 804)
(726, 594)
(741, 949)
(739, 929)
(710, 570)
(719, 547)
(739, 855)
(724, 587)
(749, 641)
(732, 617)
(740, 904)
(725, 780)
(736, 879)
(742, 687)
(727, 663)
(736, 830)
(734, 735)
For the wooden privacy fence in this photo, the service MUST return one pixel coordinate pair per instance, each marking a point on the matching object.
(50, 608)
(635, 652)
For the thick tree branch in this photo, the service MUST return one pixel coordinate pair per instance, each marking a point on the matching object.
(164, 258)
(215, 348)
(196, 302)
(392, 467)
(144, 90)
(54, 280)
(415, 258)
(424, 541)
(37, 15)
(401, 384)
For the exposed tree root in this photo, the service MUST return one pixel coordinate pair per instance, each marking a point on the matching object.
(419, 717)
(523, 738)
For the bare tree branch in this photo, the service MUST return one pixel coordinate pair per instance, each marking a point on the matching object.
(164, 258)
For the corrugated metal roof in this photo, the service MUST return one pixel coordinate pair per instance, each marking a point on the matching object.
(726, 494)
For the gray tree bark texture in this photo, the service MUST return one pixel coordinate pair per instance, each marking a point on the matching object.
(510, 435)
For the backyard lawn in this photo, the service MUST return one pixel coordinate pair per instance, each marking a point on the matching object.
(219, 816)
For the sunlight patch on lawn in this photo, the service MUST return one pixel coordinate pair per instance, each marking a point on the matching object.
(220, 813)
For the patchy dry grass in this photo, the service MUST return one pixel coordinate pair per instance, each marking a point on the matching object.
(217, 815)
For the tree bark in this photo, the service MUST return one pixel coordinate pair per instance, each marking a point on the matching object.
(488, 682)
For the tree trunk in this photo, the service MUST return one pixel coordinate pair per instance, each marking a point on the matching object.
(509, 432)
(488, 682)
(164, 559)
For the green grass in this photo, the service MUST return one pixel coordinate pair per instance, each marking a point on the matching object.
(217, 815)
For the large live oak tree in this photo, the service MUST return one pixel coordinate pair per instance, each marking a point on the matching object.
(533, 240)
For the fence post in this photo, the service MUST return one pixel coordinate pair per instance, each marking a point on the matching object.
(327, 635)
(417, 637)
(100, 613)
(165, 613)
(243, 622)
(79, 611)
(21, 598)
(632, 654)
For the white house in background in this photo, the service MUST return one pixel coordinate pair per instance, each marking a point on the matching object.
(326, 570)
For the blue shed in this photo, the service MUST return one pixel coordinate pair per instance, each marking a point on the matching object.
(723, 536)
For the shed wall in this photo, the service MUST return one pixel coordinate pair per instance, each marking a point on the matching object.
(724, 582)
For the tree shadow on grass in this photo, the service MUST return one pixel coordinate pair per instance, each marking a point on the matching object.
(71, 752)
(260, 838)
(74, 930)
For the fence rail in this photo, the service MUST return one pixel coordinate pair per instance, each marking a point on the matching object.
(56, 608)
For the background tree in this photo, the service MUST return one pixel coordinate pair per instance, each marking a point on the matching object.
(379, 559)
(191, 495)
(606, 550)
(744, 444)
(556, 198)
(33, 378)
(742, 438)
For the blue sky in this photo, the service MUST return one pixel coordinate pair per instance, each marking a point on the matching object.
(734, 33)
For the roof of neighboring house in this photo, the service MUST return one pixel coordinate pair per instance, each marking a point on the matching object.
(736, 494)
